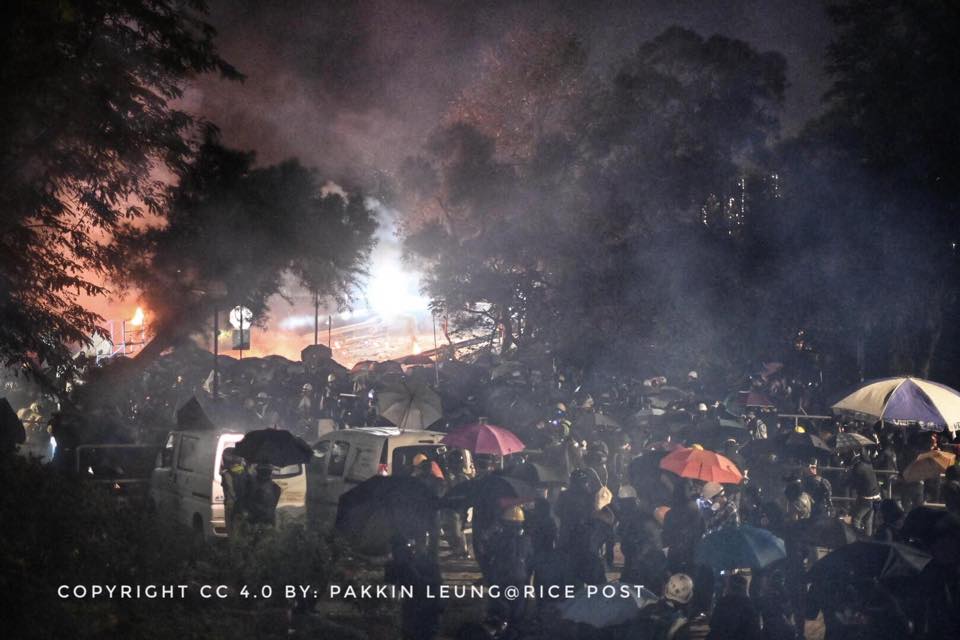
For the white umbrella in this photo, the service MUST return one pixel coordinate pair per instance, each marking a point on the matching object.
(409, 405)
(905, 399)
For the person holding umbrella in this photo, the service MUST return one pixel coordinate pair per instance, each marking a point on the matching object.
(261, 499)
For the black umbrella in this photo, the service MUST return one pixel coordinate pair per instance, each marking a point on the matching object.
(852, 442)
(926, 524)
(822, 532)
(536, 473)
(795, 444)
(490, 494)
(274, 446)
(869, 559)
(383, 506)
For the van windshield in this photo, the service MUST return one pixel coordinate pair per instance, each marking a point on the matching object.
(288, 471)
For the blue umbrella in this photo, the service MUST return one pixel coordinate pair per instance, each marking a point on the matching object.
(600, 611)
(740, 547)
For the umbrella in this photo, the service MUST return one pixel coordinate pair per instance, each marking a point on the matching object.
(665, 396)
(740, 547)
(590, 421)
(536, 473)
(905, 399)
(484, 438)
(852, 441)
(409, 404)
(416, 360)
(490, 494)
(372, 512)
(801, 444)
(364, 366)
(929, 465)
(822, 532)
(869, 559)
(926, 524)
(210, 415)
(11, 428)
(756, 399)
(602, 612)
(274, 446)
(698, 463)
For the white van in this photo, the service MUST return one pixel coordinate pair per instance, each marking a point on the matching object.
(344, 459)
(185, 482)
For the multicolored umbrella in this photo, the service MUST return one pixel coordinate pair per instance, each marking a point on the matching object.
(484, 438)
(739, 548)
(700, 464)
(932, 405)
(929, 465)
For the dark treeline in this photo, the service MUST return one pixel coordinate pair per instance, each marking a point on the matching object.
(653, 212)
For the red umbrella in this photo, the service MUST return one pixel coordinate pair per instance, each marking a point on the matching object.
(698, 463)
(484, 438)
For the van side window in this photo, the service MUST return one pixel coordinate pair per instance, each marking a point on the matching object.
(166, 454)
(188, 446)
(338, 458)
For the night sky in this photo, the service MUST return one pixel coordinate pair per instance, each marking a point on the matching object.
(352, 87)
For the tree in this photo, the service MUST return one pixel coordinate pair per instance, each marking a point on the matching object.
(86, 122)
(233, 231)
(591, 239)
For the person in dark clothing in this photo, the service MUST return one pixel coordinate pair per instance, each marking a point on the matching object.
(664, 619)
(234, 481)
(452, 519)
(734, 617)
(261, 498)
(542, 528)
(732, 452)
(642, 546)
(819, 489)
(420, 615)
(892, 521)
(576, 504)
(596, 458)
(775, 610)
(511, 556)
(863, 480)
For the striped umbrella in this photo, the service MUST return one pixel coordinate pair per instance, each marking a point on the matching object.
(934, 406)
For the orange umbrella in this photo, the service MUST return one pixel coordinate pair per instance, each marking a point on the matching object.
(928, 465)
(698, 463)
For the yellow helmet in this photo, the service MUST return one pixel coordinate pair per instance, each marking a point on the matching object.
(513, 514)
(799, 429)
(698, 447)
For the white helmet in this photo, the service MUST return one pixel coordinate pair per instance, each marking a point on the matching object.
(693, 375)
(679, 588)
